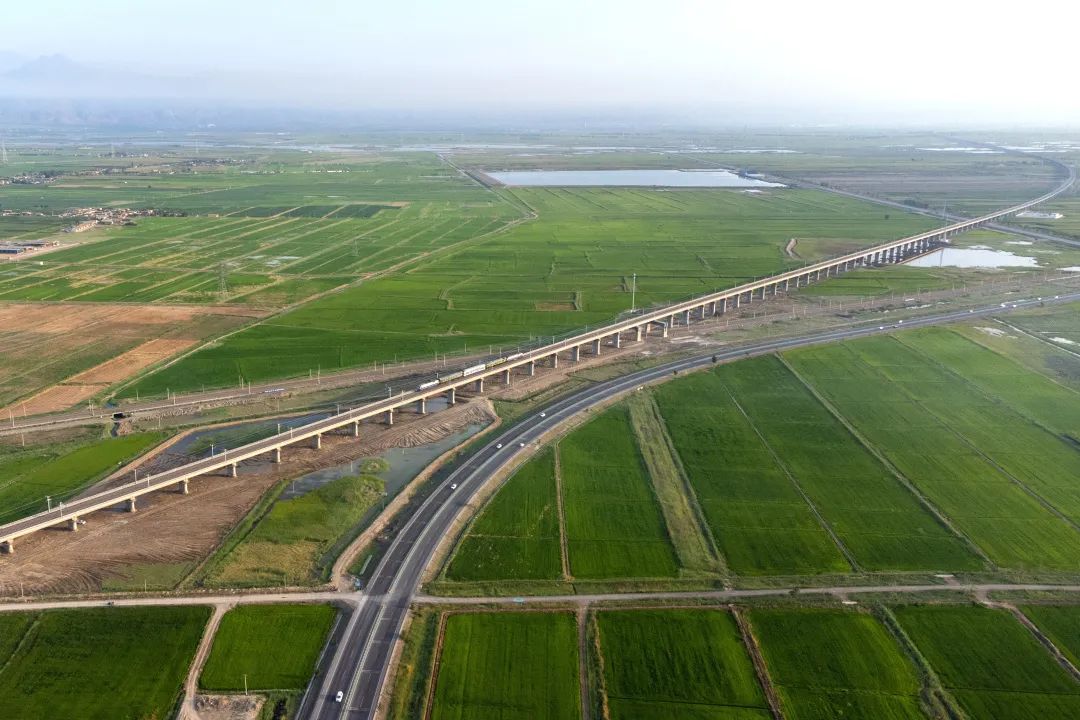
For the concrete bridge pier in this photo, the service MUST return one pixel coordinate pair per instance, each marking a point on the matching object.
(685, 318)
(390, 416)
(8, 547)
(451, 396)
(317, 441)
(531, 368)
(575, 353)
(131, 505)
(275, 456)
(182, 487)
(617, 340)
(735, 302)
(73, 524)
(233, 471)
(480, 385)
(356, 428)
(637, 334)
(506, 377)
(722, 308)
(596, 346)
(554, 360)
(421, 406)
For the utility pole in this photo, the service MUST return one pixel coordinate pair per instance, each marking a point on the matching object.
(633, 292)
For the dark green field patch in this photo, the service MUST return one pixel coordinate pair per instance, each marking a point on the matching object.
(677, 663)
(274, 646)
(991, 663)
(26, 485)
(517, 534)
(760, 522)
(497, 666)
(614, 526)
(878, 520)
(1061, 624)
(102, 664)
(830, 664)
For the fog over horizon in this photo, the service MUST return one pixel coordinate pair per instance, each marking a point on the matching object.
(696, 62)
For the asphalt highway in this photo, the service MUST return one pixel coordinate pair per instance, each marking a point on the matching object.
(359, 666)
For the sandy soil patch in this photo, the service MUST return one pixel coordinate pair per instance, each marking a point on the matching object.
(173, 528)
(125, 365)
(85, 385)
(79, 344)
(229, 707)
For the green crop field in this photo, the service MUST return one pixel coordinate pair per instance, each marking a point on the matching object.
(1061, 624)
(496, 666)
(101, 664)
(677, 663)
(61, 471)
(289, 543)
(568, 268)
(760, 522)
(878, 520)
(274, 646)
(990, 663)
(13, 628)
(614, 527)
(517, 534)
(830, 664)
(927, 450)
(998, 477)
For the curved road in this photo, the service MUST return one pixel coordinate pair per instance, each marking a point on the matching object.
(361, 661)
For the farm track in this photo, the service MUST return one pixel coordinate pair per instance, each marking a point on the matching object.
(292, 595)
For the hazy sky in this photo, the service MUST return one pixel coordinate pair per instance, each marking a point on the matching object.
(821, 61)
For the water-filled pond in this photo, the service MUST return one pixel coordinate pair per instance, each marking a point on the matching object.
(973, 258)
(629, 178)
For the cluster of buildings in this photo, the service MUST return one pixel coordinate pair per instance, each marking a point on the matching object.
(91, 217)
(32, 178)
(24, 246)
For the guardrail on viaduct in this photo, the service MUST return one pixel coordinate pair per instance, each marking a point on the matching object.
(502, 369)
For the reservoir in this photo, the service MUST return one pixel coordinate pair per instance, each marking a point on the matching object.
(973, 257)
(629, 178)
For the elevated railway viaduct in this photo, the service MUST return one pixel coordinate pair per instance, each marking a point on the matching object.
(502, 369)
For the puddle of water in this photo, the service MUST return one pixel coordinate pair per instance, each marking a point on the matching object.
(1064, 341)
(973, 258)
(401, 465)
(628, 178)
(200, 444)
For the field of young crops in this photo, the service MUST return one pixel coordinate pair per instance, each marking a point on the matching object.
(275, 647)
(677, 663)
(1061, 624)
(759, 520)
(879, 523)
(517, 534)
(924, 451)
(614, 527)
(567, 268)
(495, 666)
(990, 663)
(123, 663)
(999, 476)
(829, 664)
(28, 476)
(892, 662)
